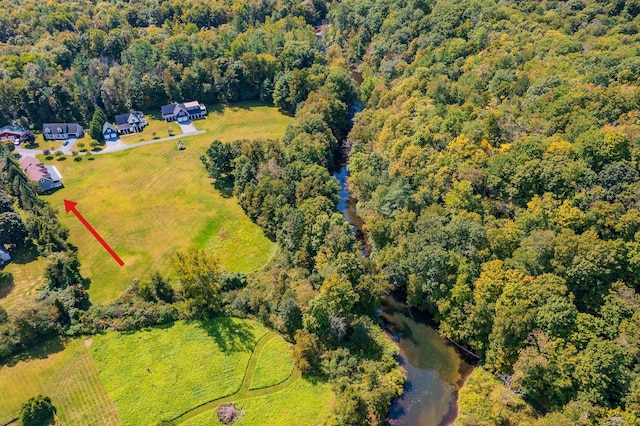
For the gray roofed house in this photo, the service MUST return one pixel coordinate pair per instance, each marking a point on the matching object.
(57, 131)
(183, 112)
(131, 122)
(109, 132)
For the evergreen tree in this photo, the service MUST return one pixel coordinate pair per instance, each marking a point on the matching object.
(98, 120)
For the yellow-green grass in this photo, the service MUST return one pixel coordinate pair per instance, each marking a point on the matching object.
(157, 125)
(274, 364)
(304, 403)
(26, 269)
(159, 373)
(152, 201)
(67, 375)
(40, 143)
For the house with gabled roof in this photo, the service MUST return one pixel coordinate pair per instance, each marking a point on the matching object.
(48, 177)
(132, 122)
(59, 131)
(109, 132)
(184, 112)
(12, 133)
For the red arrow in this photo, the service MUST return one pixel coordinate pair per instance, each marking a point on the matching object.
(70, 206)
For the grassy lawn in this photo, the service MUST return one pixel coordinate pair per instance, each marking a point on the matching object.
(157, 125)
(304, 403)
(64, 373)
(152, 201)
(26, 275)
(274, 365)
(161, 372)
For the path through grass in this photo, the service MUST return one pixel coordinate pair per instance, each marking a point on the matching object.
(274, 364)
(161, 372)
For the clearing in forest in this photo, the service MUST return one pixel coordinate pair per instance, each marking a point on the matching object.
(152, 201)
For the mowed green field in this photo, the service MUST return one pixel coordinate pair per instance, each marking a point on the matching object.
(274, 364)
(67, 374)
(160, 373)
(26, 276)
(152, 201)
(304, 403)
(144, 377)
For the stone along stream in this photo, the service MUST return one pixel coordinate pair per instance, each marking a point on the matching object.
(435, 370)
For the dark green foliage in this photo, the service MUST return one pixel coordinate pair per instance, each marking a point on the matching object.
(95, 127)
(37, 411)
(12, 229)
(62, 269)
(156, 288)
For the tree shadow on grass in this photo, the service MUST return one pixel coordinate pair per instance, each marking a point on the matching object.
(41, 351)
(230, 336)
(224, 186)
(6, 284)
(24, 255)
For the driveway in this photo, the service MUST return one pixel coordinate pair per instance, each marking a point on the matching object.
(187, 128)
(69, 147)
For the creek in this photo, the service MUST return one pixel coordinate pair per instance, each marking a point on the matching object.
(435, 369)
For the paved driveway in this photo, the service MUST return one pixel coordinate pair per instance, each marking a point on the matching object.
(187, 128)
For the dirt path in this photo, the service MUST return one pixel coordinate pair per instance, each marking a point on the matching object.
(244, 392)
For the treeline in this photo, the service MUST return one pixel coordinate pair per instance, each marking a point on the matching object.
(320, 292)
(60, 62)
(496, 168)
(63, 293)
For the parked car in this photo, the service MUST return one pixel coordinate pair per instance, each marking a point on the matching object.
(65, 143)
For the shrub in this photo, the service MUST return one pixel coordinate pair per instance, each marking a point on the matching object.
(58, 153)
(37, 411)
(46, 152)
(228, 413)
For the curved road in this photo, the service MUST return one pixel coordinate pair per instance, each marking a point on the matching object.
(112, 146)
(244, 391)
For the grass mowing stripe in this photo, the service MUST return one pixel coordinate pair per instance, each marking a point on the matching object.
(152, 201)
(63, 371)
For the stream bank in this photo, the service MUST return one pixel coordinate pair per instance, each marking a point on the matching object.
(435, 368)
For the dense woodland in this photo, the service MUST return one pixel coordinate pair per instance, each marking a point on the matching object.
(495, 163)
(496, 168)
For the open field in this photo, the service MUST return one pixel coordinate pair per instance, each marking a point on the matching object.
(304, 403)
(181, 371)
(26, 270)
(65, 373)
(159, 373)
(274, 364)
(152, 201)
